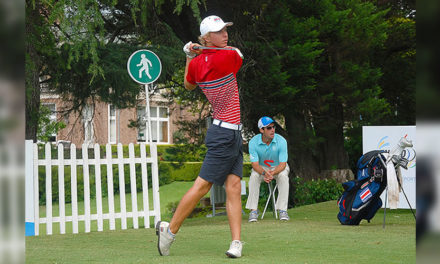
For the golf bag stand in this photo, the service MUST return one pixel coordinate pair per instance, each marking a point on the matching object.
(398, 157)
(386, 198)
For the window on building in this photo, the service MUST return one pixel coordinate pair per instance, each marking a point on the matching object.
(52, 118)
(111, 124)
(159, 124)
(87, 115)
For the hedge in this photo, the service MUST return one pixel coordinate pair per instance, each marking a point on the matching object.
(169, 170)
(163, 179)
(314, 191)
(163, 151)
(188, 171)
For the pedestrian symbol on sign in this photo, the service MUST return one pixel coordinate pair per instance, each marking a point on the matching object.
(144, 66)
(144, 63)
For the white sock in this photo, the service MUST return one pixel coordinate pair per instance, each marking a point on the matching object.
(171, 233)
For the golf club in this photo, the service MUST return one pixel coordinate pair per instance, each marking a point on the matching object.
(211, 48)
(214, 48)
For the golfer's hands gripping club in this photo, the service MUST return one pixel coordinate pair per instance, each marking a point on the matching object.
(190, 51)
(268, 176)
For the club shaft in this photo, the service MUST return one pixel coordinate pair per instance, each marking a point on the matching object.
(211, 48)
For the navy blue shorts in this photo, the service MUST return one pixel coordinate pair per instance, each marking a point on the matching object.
(224, 156)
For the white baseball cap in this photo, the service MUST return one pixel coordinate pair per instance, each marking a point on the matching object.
(212, 24)
(265, 121)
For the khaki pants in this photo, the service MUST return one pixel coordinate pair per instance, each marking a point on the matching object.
(282, 180)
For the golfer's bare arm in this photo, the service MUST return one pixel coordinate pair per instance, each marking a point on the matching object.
(188, 85)
(279, 168)
(257, 167)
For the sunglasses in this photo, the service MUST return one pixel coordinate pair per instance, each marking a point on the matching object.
(270, 127)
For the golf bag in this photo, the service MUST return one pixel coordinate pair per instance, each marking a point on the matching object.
(361, 197)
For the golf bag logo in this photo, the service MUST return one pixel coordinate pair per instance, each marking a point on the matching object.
(383, 143)
(266, 162)
(365, 195)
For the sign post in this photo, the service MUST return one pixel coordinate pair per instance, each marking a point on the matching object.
(144, 67)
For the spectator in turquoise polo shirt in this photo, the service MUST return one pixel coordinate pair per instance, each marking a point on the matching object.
(268, 154)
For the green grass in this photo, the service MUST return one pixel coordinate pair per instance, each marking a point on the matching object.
(313, 235)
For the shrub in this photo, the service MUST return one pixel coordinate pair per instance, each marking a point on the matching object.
(168, 171)
(185, 153)
(314, 191)
(247, 167)
(164, 178)
(187, 171)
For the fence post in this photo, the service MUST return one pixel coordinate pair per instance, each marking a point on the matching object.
(36, 191)
(33, 163)
(29, 189)
(134, 208)
(98, 186)
(73, 188)
(155, 182)
(145, 186)
(122, 187)
(62, 204)
(48, 155)
(85, 158)
(111, 203)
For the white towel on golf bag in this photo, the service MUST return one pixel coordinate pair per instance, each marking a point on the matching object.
(393, 185)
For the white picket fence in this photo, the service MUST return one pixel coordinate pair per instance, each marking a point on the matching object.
(86, 164)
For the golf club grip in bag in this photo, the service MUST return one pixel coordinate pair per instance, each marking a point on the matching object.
(361, 197)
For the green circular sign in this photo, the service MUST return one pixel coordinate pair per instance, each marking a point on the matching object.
(144, 66)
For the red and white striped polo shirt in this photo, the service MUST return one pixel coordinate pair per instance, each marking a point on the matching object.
(214, 71)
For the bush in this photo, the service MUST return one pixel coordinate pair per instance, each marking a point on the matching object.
(247, 167)
(310, 192)
(184, 153)
(164, 178)
(187, 171)
(168, 171)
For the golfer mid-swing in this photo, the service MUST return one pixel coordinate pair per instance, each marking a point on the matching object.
(214, 71)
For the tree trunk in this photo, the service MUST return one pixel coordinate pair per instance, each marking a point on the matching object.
(301, 159)
(32, 105)
(33, 67)
(332, 152)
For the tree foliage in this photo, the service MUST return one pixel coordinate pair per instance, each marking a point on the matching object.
(46, 126)
(76, 47)
(311, 63)
(323, 68)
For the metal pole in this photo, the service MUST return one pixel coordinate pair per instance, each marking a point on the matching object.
(401, 187)
(273, 201)
(213, 200)
(385, 207)
(118, 124)
(268, 200)
(147, 95)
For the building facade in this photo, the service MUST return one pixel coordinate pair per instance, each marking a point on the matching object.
(103, 123)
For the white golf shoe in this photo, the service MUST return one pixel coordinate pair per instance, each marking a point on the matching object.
(253, 216)
(284, 216)
(235, 249)
(164, 239)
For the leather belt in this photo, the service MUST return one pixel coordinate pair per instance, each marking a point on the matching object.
(227, 125)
